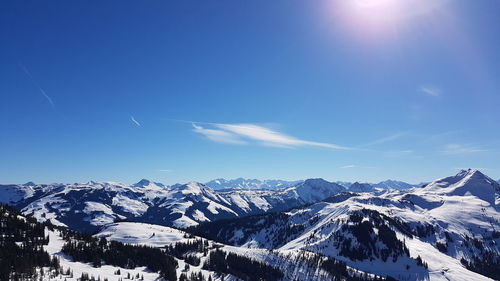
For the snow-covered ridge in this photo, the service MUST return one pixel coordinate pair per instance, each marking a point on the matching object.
(466, 183)
(361, 187)
(88, 206)
(393, 184)
(241, 183)
(451, 225)
(443, 231)
(159, 236)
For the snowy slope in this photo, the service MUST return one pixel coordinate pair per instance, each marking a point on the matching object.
(106, 271)
(466, 183)
(437, 232)
(14, 193)
(142, 233)
(450, 220)
(158, 236)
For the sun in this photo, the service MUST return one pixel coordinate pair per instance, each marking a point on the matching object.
(373, 3)
(382, 17)
(377, 12)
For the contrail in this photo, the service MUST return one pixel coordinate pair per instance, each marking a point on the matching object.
(135, 121)
(42, 91)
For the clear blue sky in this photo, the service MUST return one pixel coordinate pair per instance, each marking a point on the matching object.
(175, 91)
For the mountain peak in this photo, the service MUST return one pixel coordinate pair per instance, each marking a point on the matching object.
(361, 187)
(242, 183)
(393, 184)
(316, 181)
(467, 182)
(145, 182)
(312, 190)
(193, 187)
(142, 183)
(30, 183)
(470, 172)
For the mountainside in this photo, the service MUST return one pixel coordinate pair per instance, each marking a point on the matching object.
(361, 187)
(445, 231)
(344, 183)
(466, 183)
(299, 264)
(318, 230)
(32, 251)
(88, 206)
(241, 183)
(128, 251)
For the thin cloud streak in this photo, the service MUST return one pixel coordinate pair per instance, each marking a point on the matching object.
(430, 91)
(400, 153)
(134, 121)
(218, 135)
(386, 139)
(42, 91)
(245, 133)
(356, 166)
(454, 149)
(165, 171)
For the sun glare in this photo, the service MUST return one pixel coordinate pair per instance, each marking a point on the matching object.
(382, 17)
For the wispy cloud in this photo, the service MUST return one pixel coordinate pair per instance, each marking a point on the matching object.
(42, 91)
(355, 166)
(443, 136)
(218, 135)
(134, 121)
(430, 91)
(165, 171)
(251, 133)
(454, 148)
(400, 153)
(386, 139)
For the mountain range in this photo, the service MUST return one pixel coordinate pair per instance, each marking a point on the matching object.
(241, 183)
(444, 230)
(451, 225)
(87, 207)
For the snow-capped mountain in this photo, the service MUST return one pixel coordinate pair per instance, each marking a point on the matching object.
(468, 183)
(345, 184)
(313, 190)
(130, 251)
(361, 187)
(298, 260)
(241, 183)
(90, 205)
(447, 230)
(148, 183)
(393, 184)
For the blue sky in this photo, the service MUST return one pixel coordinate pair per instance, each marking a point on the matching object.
(175, 91)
